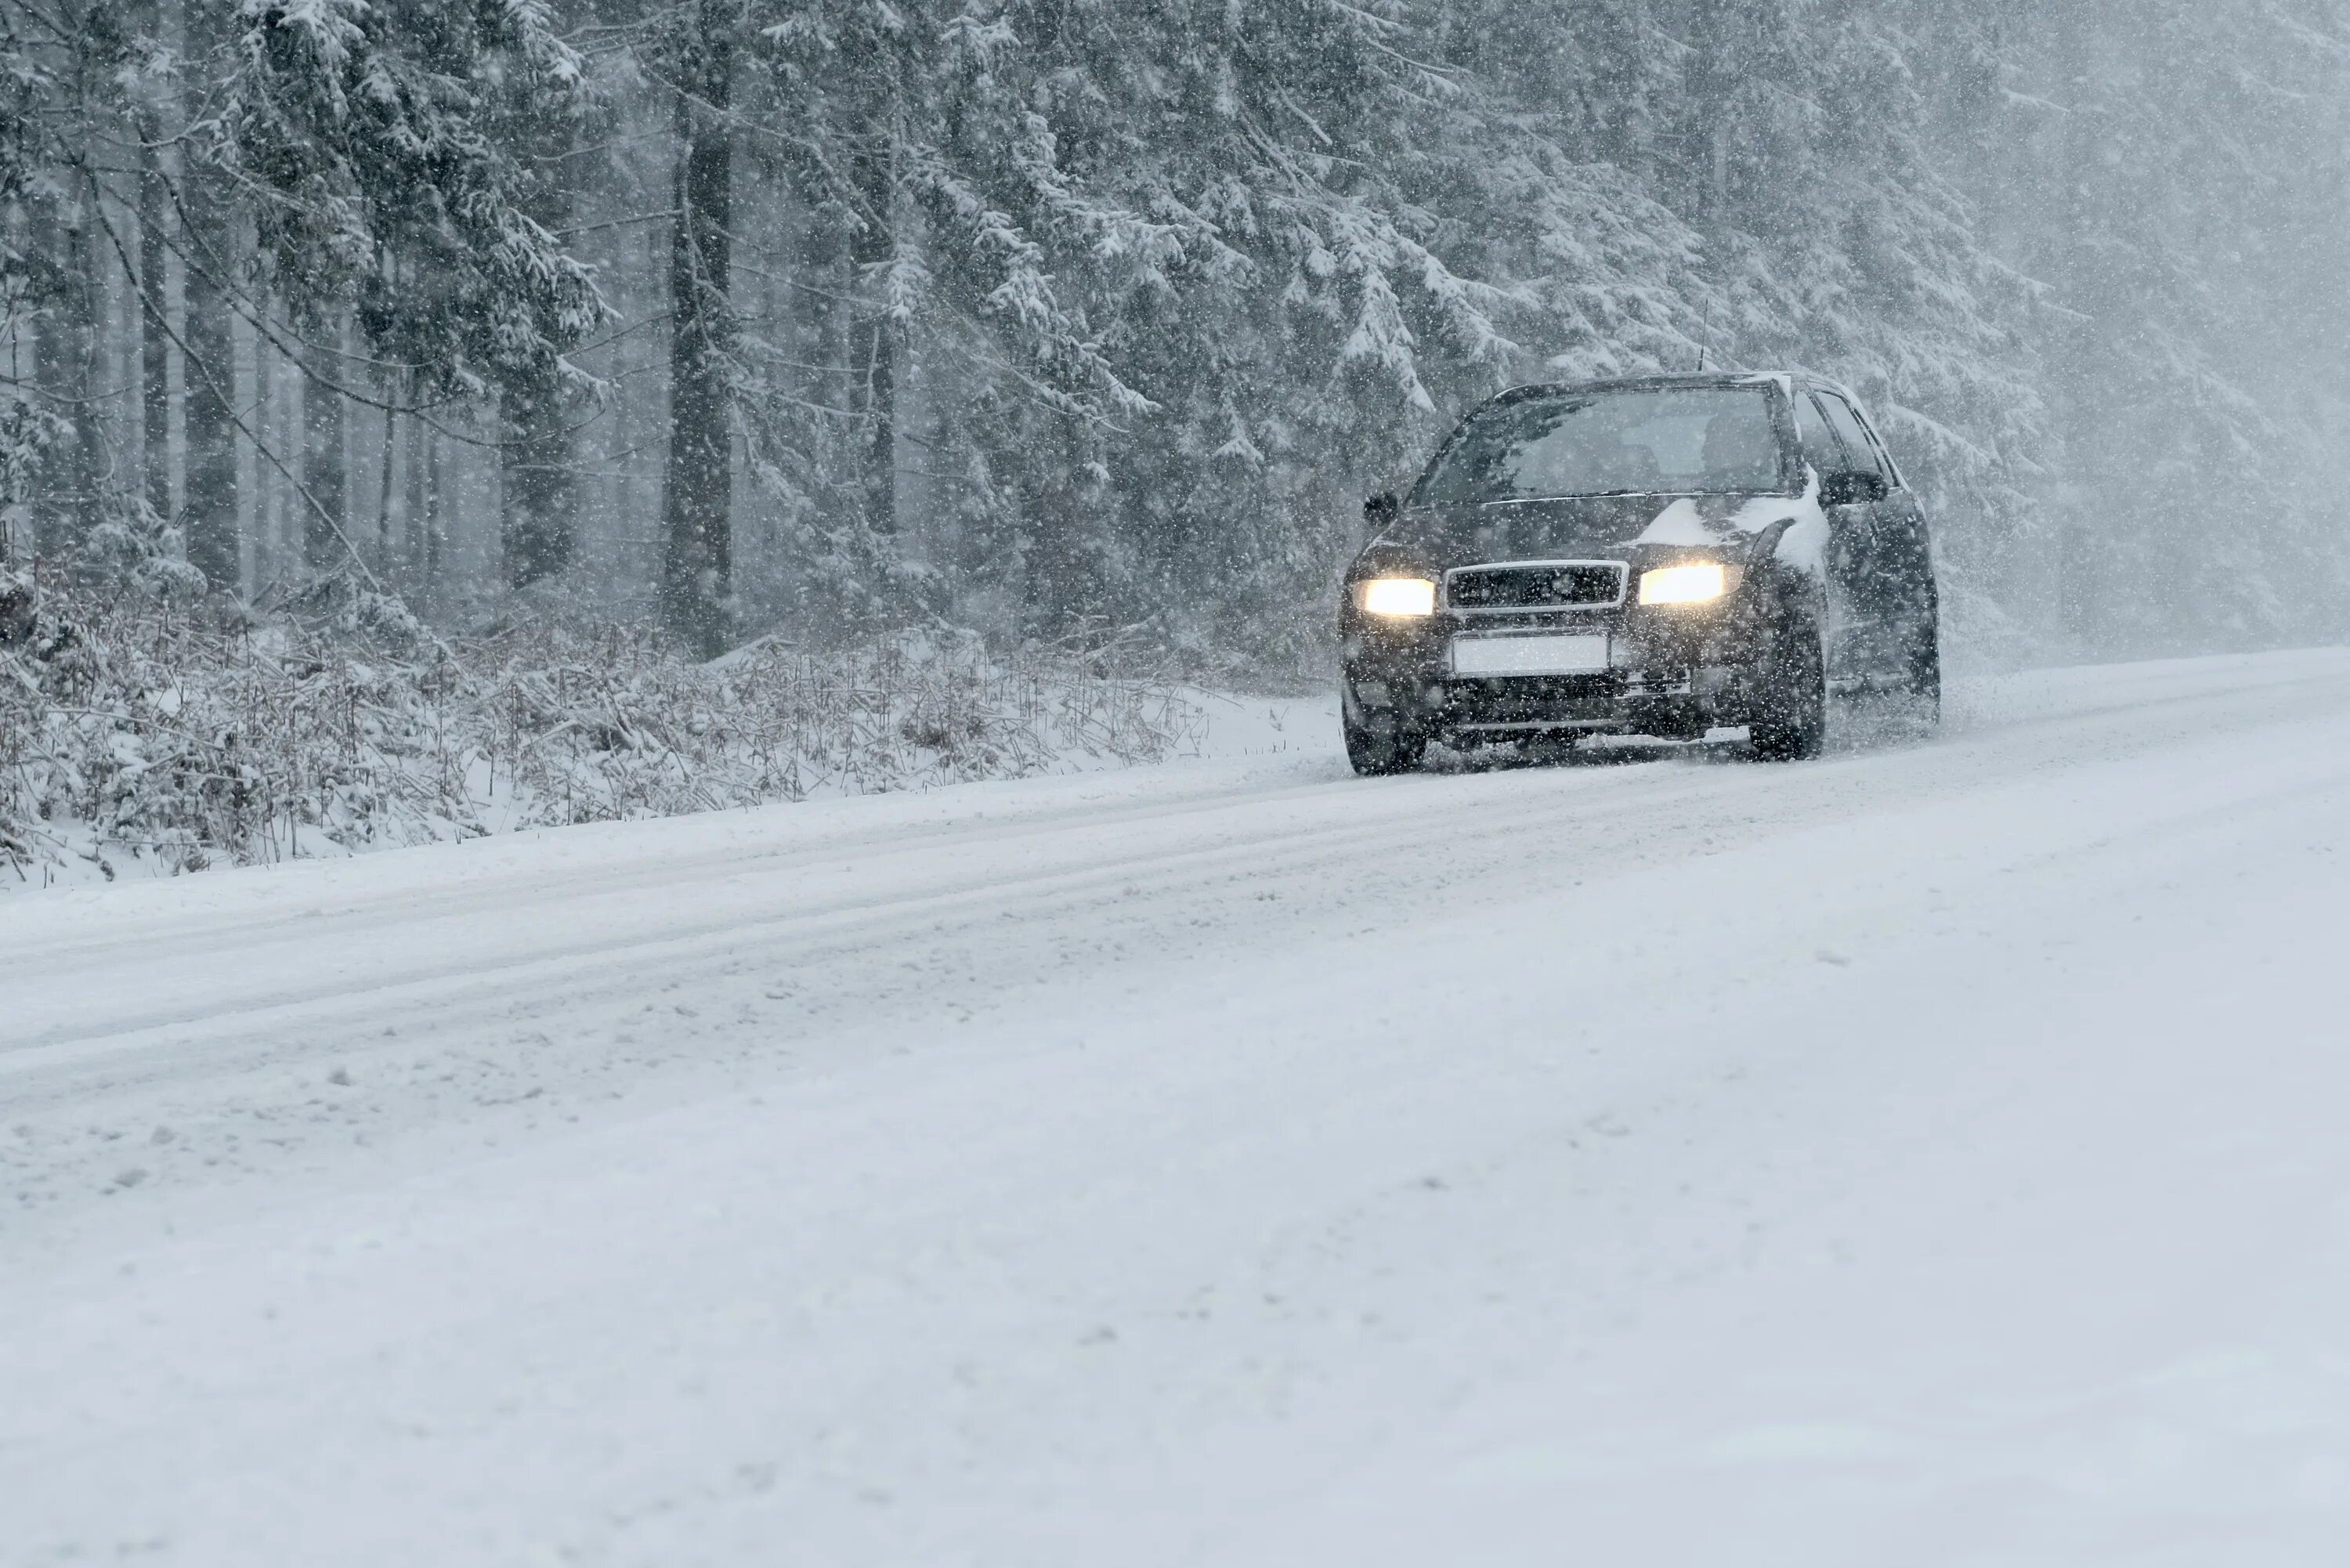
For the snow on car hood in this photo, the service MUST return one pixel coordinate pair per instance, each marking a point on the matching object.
(1603, 526)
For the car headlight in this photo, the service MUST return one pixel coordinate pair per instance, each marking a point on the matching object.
(1399, 597)
(1699, 583)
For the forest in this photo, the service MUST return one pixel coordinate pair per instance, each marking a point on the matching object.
(747, 316)
(626, 334)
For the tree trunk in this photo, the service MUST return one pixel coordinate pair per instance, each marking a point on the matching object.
(66, 345)
(538, 481)
(322, 547)
(428, 569)
(873, 243)
(537, 484)
(383, 563)
(270, 424)
(697, 499)
(154, 341)
(208, 484)
(411, 508)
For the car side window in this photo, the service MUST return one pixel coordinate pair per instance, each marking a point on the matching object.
(1877, 445)
(1856, 444)
(1819, 446)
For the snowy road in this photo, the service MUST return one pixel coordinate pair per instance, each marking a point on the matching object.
(1936, 1155)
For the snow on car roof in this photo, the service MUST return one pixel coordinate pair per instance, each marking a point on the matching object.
(1655, 381)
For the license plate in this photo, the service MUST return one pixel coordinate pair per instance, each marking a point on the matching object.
(1581, 654)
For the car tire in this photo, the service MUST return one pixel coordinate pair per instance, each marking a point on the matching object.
(1792, 726)
(1377, 753)
(1926, 676)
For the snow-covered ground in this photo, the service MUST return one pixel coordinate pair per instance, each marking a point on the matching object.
(1935, 1155)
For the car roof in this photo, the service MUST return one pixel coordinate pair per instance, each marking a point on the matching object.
(1659, 381)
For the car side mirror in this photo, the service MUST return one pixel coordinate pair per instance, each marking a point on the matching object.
(1381, 509)
(1853, 488)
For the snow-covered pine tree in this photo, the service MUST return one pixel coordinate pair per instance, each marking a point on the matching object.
(1041, 313)
(821, 370)
(30, 426)
(1901, 297)
(371, 130)
(1187, 297)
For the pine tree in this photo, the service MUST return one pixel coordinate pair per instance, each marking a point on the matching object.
(1039, 314)
(371, 128)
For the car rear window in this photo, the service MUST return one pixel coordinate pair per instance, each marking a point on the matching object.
(1691, 440)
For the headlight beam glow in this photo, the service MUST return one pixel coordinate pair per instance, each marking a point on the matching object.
(1698, 584)
(1398, 596)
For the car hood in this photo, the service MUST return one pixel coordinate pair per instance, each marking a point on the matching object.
(1587, 527)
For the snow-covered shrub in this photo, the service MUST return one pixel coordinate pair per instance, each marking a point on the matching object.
(135, 737)
(134, 548)
(26, 433)
(16, 600)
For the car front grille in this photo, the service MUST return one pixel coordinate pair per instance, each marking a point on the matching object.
(1536, 586)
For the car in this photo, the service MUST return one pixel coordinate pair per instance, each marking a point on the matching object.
(1659, 555)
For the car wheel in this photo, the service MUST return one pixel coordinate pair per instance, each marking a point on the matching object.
(1377, 752)
(1926, 676)
(1793, 724)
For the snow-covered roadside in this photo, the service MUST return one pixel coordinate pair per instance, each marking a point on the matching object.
(135, 744)
(1925, 1156)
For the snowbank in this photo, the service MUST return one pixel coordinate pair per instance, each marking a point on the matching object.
(135, 740)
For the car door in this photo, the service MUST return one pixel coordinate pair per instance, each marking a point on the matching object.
(1876, 579)
(1852, 637)
(1907, 548)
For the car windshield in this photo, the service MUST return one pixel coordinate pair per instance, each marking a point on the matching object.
(1685, 441)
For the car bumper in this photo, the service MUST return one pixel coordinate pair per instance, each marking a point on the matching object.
(1674, 678)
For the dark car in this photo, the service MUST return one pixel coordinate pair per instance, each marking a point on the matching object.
(1659, 556)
